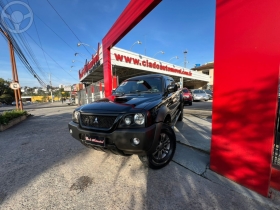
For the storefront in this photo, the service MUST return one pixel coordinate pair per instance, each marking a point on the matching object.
(126, 64)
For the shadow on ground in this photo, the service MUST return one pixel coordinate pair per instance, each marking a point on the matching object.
(43, 167)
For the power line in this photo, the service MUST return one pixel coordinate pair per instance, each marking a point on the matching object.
(66, 24)
(26, 46)
(40, 41)
(49, 56)
(23, 59)
(55, 32)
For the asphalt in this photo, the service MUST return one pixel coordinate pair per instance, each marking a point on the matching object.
(193, 152)
(193, 136)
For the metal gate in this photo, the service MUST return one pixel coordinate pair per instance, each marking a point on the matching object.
(90, 94)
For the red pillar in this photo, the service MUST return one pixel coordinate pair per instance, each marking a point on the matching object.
(247, 57)
(135, 11)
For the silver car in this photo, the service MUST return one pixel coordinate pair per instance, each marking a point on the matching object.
(199, 95)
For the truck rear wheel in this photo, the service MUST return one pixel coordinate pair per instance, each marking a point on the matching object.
(164, 151)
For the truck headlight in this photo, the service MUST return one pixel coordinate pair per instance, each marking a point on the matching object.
(76, 116)
(139, 119)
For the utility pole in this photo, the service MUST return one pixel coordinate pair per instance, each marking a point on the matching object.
(51, 87)
(14, 71)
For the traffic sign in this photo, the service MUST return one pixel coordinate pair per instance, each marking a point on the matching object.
(14, 85)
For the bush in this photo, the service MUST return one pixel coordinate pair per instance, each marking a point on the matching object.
(7, 116)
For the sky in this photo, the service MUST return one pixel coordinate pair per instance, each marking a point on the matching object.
(52, 28)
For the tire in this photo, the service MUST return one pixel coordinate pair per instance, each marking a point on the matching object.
(164, 152)
(182, 112)
(190, 103)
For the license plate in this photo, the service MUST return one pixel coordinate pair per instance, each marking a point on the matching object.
(97, 141)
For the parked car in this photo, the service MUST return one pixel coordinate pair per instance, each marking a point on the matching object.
(70, 101)
(188, 99)
(14, 103)
(199, 95)
(137, 119)
(209, 93)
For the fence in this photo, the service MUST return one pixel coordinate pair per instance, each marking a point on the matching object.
(90, 94)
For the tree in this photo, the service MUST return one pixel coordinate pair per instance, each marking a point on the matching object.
(6, 93)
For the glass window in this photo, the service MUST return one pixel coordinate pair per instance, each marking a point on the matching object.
(152, 84)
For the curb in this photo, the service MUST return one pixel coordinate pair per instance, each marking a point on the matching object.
(12, 123)
(198, 112)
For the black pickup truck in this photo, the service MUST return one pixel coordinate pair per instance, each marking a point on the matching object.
(138, 118)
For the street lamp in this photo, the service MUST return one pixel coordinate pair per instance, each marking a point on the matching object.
(79, 54)
(80, 43)
(71, 69)
(176, 57)
(159, 52)
(137, 42)
(185, 55)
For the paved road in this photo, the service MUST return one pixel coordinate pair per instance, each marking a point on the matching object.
(200, 105)
(201, 109)
(43, 167)
(31, 106)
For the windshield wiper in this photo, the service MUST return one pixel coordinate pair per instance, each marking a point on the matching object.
(135, 91)
(144, 91)
(151, 91)
(120, 93)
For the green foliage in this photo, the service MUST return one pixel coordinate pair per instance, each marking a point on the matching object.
(6, 93)
(7, 116)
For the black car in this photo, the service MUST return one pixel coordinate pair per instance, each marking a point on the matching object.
(137, 119)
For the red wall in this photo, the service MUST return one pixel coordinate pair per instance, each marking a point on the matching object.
(246, 59)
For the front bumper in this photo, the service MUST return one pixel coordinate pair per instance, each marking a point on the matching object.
(200, 98)
(120, 140)
(187, 100)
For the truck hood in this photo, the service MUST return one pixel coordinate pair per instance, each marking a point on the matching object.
(121, 104)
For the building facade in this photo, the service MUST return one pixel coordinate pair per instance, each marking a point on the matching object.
(126, 64)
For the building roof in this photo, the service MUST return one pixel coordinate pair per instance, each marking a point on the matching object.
(209, 65)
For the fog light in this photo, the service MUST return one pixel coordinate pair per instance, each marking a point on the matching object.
(70, 131)
(136, 141)
(127, 120)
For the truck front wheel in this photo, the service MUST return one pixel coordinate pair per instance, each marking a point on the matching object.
(164, 151)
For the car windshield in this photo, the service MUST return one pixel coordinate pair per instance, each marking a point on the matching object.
(149, 85)
(198, 91)
(185, 90)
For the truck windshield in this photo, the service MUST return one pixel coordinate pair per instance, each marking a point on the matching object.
(149, 85)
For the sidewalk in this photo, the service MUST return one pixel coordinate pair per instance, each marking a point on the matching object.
(193, 152)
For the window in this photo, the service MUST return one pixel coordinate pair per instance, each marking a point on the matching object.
(151, 84)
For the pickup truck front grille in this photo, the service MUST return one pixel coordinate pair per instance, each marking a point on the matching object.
(97, 121)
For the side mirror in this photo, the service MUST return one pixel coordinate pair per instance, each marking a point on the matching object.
(171, 88)
(113, 92)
